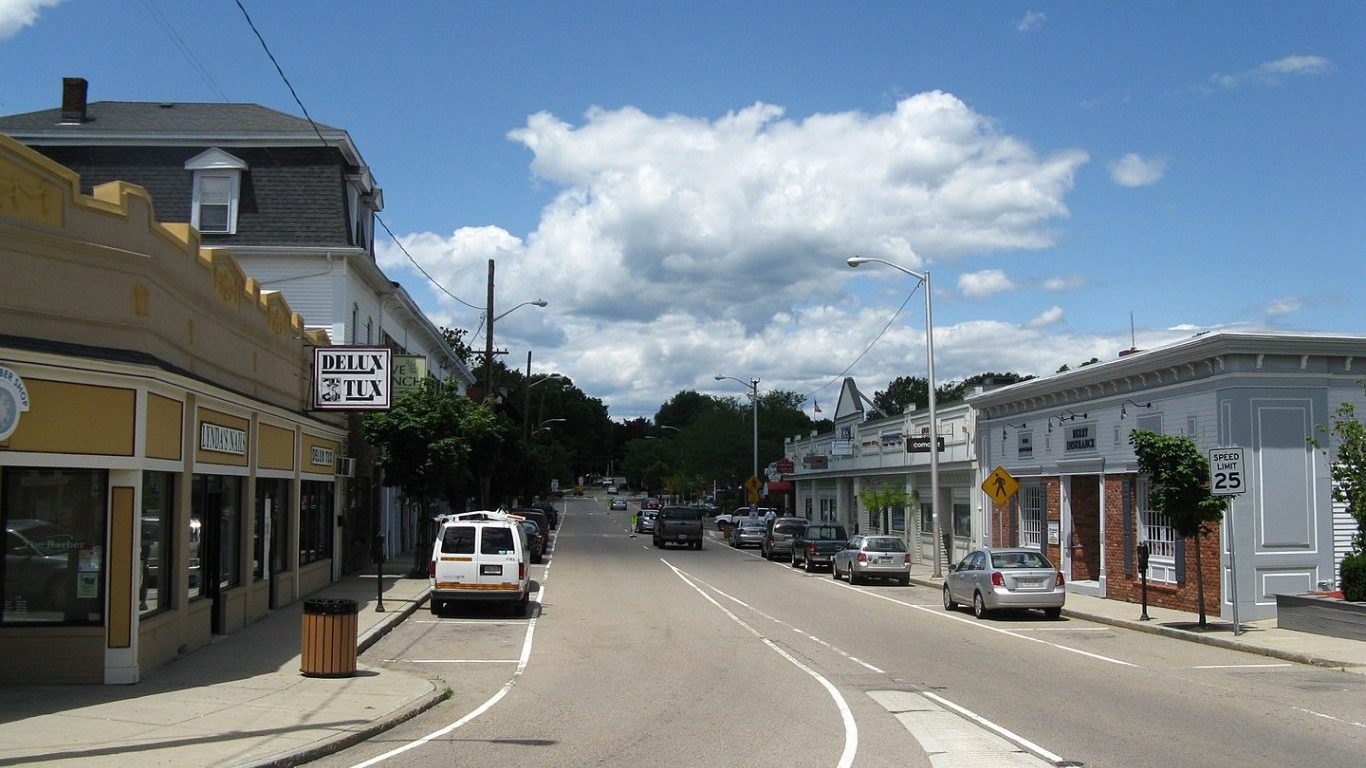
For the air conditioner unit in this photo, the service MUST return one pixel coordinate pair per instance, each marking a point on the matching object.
(346, 466)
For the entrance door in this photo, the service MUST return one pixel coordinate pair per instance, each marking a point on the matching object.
(215, 541)
(1084, 539)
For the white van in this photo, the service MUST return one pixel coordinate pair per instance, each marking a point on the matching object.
(480, 556)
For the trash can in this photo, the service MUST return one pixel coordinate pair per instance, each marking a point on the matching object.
(328, 639)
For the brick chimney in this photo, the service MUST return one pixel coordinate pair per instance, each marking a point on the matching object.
(73, 99)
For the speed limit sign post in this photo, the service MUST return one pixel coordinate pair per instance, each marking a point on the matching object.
(1226, 476)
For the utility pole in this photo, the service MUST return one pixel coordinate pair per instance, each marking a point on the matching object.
(488, 338)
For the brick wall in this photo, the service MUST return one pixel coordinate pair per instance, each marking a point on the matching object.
(1128, 586)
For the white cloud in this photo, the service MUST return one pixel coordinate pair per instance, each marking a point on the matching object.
(1063, 283)
(1284, 306)
(1135, 171)
(678, 244)
(17, 14)
(1031, 20)
(980, 285)
(1272, 72)
(1051, 316)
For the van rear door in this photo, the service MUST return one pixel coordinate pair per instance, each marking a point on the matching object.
(501, 564)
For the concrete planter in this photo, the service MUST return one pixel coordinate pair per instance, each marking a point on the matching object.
(1321, 616)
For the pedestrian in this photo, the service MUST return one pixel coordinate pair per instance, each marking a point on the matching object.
(633, 524)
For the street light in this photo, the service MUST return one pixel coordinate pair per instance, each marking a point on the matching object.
(923, 277)
(753, 385)
(488, 331)
(545, 425)
(526, 399)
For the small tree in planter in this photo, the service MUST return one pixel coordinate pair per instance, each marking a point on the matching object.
(881, 497)
(1348, 436)
(1180, 475)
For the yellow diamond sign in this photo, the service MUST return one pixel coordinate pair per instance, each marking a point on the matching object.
(1000, 486)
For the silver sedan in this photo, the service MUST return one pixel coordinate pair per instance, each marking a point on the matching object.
(994, 579)
(878, 557)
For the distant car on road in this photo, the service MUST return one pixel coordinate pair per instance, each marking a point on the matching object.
(678, 525)
(995, 579)
(617, 503)
(646, 520)
(779, 534)
(817, 545)
(748, 532)
(879, 557)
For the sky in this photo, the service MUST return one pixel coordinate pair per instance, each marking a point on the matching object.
(683, 183)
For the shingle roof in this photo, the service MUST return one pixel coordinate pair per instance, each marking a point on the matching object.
(154, 119)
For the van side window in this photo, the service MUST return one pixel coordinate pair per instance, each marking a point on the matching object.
(496, 541)
(458, 540)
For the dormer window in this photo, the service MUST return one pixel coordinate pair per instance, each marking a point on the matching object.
(217, 188)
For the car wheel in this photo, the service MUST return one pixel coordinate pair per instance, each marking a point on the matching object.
(522, 607)
(979, 606)
(854, 577)
(1053, 613)
(806, 566)
(949, 603)
(834, 572)
(904, 581)
(437, 605)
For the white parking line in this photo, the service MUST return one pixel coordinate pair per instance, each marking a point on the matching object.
(846, 715)
(1004, 733)
(1240, 666)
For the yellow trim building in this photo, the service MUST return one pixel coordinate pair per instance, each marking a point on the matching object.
(162, 479)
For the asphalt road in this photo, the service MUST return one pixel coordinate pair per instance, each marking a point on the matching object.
(637, 656)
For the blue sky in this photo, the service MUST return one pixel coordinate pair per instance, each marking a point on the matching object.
(684, 182)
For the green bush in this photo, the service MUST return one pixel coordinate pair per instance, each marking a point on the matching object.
(1354, 577)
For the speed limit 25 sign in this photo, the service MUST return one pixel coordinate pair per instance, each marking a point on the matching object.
(1226, 476)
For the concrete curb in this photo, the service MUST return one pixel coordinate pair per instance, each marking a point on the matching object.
(439, 692)
(1181, 634)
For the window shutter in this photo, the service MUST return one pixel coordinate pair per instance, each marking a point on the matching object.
(1128, 498)
(1180, 560)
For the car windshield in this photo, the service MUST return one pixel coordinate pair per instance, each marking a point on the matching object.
(680, 513)
(824, 532)
(1008, 560)
(884, 544)
(458, 540)
(496, 541)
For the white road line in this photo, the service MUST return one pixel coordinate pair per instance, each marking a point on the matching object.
(1240, 666)
(846, 715)
(482, 708)
(1329, 717)
(940, 612)
(1002, 732)
(798, 630)
(1063, 629)
(454, 661)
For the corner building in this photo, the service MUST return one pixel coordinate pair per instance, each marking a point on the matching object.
(162, 480)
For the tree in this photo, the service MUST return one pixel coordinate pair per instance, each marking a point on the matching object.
(884, 496)
(1180, 476)
(1346, 437)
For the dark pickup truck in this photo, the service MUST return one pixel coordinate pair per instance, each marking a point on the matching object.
(817, 545)
(679, 525)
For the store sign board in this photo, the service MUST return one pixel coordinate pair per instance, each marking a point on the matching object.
(1080, 439)
(14, 401)
(409, 371)
(352, 378)
(221, 439)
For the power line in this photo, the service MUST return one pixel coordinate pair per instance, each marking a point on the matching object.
(323, 139)
(871, 344)
(184, 47)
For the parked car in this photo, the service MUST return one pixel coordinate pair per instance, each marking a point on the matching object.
(646, 520)
(617, 503)
(535, 540)
(479, 557)
(995, 579)
(650, 502)
(725, 522)
(878, 557)
(532, 513)
(551, 513)
(817, 544)
(748, 532)
(778, 536)
(678, 525)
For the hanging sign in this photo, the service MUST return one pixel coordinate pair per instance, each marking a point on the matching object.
(13, 401)
(352, 378)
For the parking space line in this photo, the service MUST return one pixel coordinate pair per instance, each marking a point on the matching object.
(1240, 666)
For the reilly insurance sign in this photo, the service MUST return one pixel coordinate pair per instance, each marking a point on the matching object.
(352, 378)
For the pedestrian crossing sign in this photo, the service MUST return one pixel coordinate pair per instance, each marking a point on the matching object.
(1000, 486)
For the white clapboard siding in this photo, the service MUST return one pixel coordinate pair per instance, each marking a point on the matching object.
(1344, 528)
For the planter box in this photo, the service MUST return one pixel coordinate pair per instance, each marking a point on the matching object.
(1321, 616)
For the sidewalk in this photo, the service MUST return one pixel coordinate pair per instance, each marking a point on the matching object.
(1261, 637)
(238, 702)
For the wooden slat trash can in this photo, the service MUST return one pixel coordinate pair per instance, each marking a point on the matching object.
(328, 639)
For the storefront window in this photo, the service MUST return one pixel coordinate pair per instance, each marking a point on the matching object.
(962, 520)
(271, 528)
(215, 534)
(154, 557)
(927, 518)
(1031, 515)
(898, 519)
(315, 522)
(1155, 529)
(54, 546)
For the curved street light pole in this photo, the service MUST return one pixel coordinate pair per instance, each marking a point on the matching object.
(924, 277)
(753, 385)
